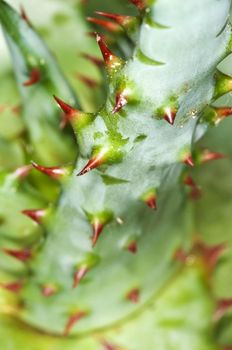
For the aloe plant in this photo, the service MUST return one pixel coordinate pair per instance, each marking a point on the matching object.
(116, 234)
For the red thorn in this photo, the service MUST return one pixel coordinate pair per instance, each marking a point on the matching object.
(151, 202)
(48, 290)
(224, 111)
(121, 101)
(34, 78)
(22, 255)
(97, 230)
(24, 15)
(210, 254)
(170, 115)
(109, 58)
(195, 192)
(73, 319)
(132, 247)
(67, 109)
(120, 19)
(113, 27)
(140, 4)
(93, 163)
(97, 61)
(91, 83)
(69, 112)
(106, 53)
(227, 347)
(23, 171)
(180, 255)
(54, 172)
(188, 160)
(133, 295)
(188, 180)
(223, 305)
(13, 287)
(35, 214)
(207, 156)
(79, 274)
(108, 346)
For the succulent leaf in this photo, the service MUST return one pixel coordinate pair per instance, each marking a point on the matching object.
(75, 274)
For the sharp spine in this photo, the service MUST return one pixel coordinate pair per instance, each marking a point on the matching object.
(121, 101)
(89, 82)
(55, 172)
(36, 215)
(94, 162)
(73, 319)
(22, 255)
(79, 275)
(132, 247)
(34, 78)
(113, 27)
(133, 295)
(112, 62)
(223, 305)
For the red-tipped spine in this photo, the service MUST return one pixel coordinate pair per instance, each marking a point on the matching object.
(151, 202)
(79, 275)
(121, 101)
(132, 247)
(223, 112)
(73, 319)
(24, 15)
(97, 230)
(48, 290)
(188, 160)
(35, 214)
(140, 4)
(210, 254)
(111, 61)
(150, 198)
(94, 162)
(223, 305)
(13, 287)
(89, 82)
(113, 27)
(188, 181)
(22, 255)
(54, 172)
(66, 108)
(69, 112)
(133, 295)
(34, 78)
(207, 156)
(120, 19)
(95, 60)
(23, 171)
(169, 115)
